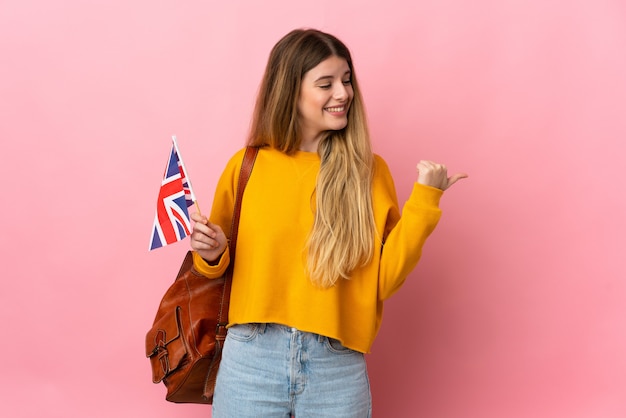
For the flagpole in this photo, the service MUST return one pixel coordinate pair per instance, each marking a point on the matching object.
(180, 158)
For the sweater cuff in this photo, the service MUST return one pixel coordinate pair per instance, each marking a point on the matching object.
(211, 271)
(425, 196)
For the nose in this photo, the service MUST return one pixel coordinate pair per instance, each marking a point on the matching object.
(340, 92)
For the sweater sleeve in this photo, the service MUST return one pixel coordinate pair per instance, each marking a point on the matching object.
(221, 214)
(406, 235)
(209, 270)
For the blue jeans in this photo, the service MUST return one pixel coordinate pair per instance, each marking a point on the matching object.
(273, 371)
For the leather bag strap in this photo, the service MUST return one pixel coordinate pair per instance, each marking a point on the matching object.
(244, 175)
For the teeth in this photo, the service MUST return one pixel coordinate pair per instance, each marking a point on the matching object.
(335, 109)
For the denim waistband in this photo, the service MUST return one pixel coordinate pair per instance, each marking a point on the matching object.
(263, 326)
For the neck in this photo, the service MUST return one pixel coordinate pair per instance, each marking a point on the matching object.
(310, 145)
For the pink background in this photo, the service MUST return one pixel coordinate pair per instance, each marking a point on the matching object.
(518, 307)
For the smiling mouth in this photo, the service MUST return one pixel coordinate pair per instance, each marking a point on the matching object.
(335, 109)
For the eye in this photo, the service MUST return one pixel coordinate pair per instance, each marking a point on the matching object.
(325, 86)
(347, 82)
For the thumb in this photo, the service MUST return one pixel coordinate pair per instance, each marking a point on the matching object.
(455, 178)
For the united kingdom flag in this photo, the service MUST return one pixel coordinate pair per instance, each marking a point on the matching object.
(171, 222)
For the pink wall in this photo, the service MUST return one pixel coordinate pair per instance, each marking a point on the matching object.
(517, 309)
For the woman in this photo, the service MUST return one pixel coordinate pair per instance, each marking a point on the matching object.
(321, 243)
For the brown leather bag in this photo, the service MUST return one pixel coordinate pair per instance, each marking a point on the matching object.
(185, 342)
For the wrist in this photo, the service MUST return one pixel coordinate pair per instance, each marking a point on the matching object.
(215, 261)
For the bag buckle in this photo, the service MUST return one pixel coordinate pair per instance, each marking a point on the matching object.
(218, 329)
(161, 351)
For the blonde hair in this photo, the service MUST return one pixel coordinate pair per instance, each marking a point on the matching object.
(343, 232)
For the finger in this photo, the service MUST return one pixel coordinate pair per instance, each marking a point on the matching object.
(201, 229)
(216, 232)
(425, 164)
(196, 217)
(201, 241)
(214, 227)
(456, 178)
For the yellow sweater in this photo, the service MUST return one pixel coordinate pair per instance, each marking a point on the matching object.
(270, 284)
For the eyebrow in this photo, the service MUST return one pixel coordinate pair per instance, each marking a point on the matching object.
(324, 77)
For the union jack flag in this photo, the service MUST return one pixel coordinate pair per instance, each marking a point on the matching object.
(172, 222)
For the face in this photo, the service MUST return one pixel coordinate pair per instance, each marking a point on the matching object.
(325, 97)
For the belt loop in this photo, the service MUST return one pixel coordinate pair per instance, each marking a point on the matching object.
(262, 327)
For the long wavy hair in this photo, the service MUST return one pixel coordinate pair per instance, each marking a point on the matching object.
(343, 232)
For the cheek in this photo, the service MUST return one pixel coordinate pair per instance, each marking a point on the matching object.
(308, 103)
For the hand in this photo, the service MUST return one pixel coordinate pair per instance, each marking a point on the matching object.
(207, 239)
(436, 175)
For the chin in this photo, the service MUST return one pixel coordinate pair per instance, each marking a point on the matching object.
(337, 126)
